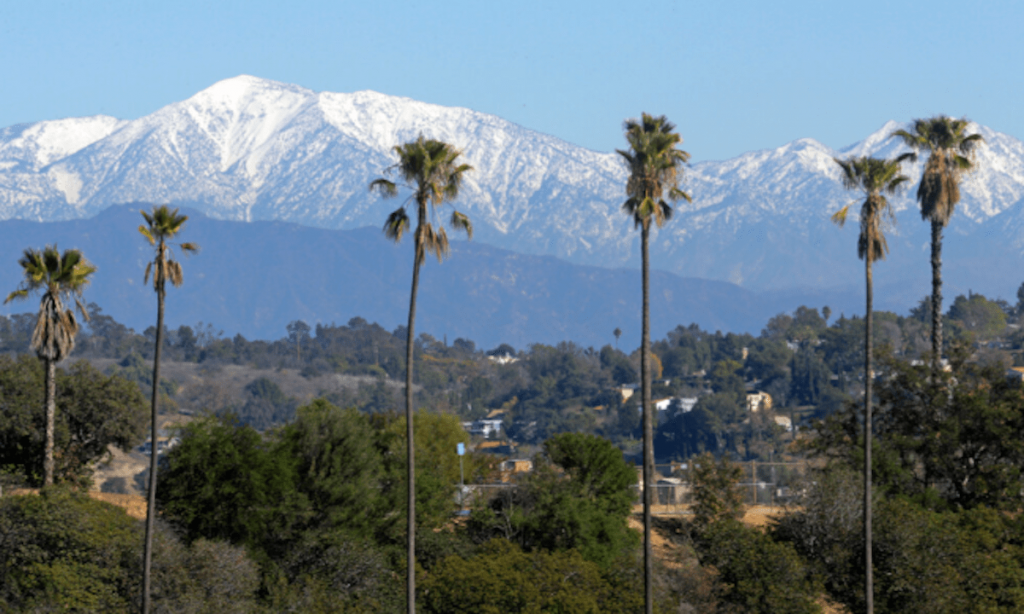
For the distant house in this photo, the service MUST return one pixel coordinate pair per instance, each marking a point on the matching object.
(484, 427)
(663, 404)
(515, 466)
(687, 404)
(503, 359)
(784, 422)
(627, 390)
(758, 401)
(1015, 374)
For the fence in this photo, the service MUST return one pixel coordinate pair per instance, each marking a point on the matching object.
(772, 484)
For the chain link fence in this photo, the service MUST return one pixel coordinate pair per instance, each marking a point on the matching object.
(771, 484)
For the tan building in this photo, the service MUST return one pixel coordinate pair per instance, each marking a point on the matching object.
(757, 401)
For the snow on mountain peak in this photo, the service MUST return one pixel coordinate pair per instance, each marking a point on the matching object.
(255, 149)
(45, 142)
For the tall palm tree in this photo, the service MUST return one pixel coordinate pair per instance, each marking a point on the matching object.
(874, 178)
(950, 154)
(61, 278)
(655, 169)
(162, 224)
(431, 169)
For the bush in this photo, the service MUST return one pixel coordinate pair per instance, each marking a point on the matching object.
(503, 579)
(758, 573)
(579, 496)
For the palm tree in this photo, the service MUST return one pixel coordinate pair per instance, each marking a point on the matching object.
(655, 168)
(875, 178)
(950, 154)
(162, 224)
(432, 171)
(61, 277)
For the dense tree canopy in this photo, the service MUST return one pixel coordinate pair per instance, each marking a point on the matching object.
(94, 411)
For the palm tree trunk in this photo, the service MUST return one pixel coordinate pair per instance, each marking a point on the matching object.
(410, 469)
(151, 507)
(936, 297)
(51, 411)
(869, 591)
(645, 399)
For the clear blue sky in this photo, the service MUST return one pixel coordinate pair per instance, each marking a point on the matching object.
(734, 76)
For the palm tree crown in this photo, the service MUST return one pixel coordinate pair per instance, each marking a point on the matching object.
(61, 277)
(950, 153)
(875, 178)
(430, 168)
(655, 168)
(161, 225)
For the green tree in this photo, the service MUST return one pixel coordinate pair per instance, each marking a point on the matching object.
(338, 466)
(297, 332)
(206, 495)
(875, 178)
(62, 550)
(96, 411)
(950, 154)
(579, 496)
(655, 169)
(927, 561)
(437, 470)
(956, 442)
(758, 574)
(60, 278)
(716, 495)
(431, 169)
(162, 224)
(978, 315)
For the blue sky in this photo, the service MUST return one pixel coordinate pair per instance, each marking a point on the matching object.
(734, 76)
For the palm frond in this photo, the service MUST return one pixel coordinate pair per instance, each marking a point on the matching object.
(384, 187)
(174, 273)
(396, 224)
(460, 221)
(16, 295)
(146, 233)
(839, 217)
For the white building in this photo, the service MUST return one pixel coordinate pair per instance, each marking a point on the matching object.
(484, 427)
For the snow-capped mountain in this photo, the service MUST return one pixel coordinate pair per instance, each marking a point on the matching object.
(253, 149)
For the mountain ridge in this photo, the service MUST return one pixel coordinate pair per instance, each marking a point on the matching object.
(252, 149)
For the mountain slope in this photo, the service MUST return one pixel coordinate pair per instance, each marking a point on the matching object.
(254, 278)
(252, 149)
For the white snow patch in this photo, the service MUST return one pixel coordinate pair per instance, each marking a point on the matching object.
(67, 182)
